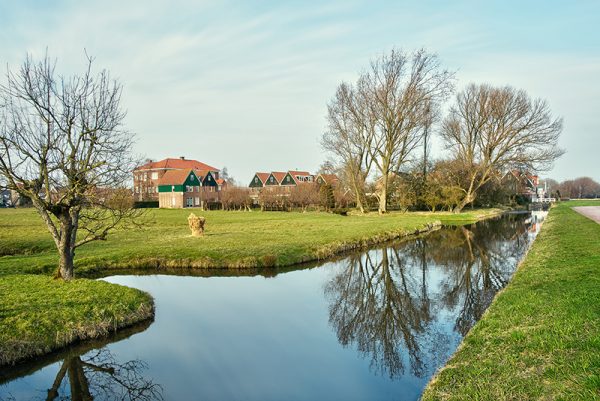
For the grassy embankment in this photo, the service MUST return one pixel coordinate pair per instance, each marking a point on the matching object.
(38, 314)
(232, 239)
(540, 338)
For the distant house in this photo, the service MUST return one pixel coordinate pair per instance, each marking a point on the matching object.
(11, 198)
(259, 180)
(275, 178)
(188, 188)
(146, 178)
(525, 184)
(297, 177)
(280, 182)
(328, 179)
(280, 179)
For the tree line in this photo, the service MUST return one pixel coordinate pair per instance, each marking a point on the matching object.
(380, 130)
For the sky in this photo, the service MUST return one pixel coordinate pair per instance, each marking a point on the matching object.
(246, 84)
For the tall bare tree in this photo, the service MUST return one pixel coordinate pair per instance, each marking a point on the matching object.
(401, 91)
(493, 129)
(385, 117)
(63, 145)
(349, 138)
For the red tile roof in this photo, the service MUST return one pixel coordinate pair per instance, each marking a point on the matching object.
(174, 177)
(329, 178)
(279, 175)
(177, 164)
(263, 177)
(295, 173)
(201, 173)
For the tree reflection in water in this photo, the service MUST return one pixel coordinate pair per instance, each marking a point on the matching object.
(89, 371)
(97, 375)
(392, 303)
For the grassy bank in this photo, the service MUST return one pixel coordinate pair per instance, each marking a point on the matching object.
(39, 315)
(232, 239)
(540, 338)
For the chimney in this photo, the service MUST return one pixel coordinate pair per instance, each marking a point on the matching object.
(182, 157)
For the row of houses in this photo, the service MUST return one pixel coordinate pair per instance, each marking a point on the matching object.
(181, 182)
(290, 179)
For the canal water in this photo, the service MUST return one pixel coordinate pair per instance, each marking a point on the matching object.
(374, 325)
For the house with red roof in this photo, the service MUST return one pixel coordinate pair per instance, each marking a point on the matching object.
(188, 188)
(288, 179)
(146, 177)
(327, 179)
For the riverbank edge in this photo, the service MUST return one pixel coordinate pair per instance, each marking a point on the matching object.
(498, 360)
(26, 343)
(323, 252)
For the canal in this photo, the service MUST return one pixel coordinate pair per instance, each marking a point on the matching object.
(373, 325)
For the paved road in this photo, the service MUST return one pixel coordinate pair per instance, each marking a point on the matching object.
(591, 212)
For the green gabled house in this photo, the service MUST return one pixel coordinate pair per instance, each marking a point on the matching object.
(187, 188)
(259, 180)
(275, 178)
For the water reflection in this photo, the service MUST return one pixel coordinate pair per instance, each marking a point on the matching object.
(90, 371)
(390, 303)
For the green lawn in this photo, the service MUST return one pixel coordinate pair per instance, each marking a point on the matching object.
(540, 338)
(39, 314)
(232, 239)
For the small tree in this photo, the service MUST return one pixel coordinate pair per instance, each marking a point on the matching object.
(63, 145)
(327, 197)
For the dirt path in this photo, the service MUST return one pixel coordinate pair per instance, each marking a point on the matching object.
(591, 212)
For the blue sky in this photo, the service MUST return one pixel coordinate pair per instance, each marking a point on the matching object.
(246, 84)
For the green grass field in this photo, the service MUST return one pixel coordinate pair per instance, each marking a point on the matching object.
(39, 314)
(540, 338)
(232, 239)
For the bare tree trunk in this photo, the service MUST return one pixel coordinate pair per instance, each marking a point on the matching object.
(383, 195)
(66, 249)
(468, 199)
(358, 195)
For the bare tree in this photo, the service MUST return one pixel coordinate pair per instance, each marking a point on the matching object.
(402, 92)
(386, 116)
(304, 195)
(349, 138)
(491, 130)
(63, 145)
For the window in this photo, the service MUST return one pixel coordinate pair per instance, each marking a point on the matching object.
(155, 175)
(256, 180)
(189, 188)
(191, 177)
